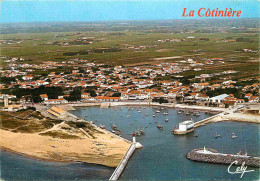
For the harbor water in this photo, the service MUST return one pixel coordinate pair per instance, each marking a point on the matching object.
(163, 154)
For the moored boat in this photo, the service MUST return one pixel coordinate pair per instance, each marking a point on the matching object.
(159, 126)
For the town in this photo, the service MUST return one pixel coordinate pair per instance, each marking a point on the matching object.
(90, 82)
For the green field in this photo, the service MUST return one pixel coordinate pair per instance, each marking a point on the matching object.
(49, 46)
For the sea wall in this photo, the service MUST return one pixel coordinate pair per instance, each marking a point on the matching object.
(221, 159)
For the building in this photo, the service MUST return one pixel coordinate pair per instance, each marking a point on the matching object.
(11, 108)
(185, 127)
(218, 99)
(57, 112)
(44, 97)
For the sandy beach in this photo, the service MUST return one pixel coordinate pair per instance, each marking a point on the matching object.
(106, 149)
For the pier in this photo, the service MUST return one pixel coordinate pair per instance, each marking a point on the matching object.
(204, 121)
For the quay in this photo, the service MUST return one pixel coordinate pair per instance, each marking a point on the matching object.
(191, 126)
(212, 156)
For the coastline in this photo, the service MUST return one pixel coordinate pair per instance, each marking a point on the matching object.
(114, 143)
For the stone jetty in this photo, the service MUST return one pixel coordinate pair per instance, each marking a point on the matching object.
(212, 156)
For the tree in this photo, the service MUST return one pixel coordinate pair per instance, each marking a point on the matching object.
(160, 100)
(92, 93)
(117, 94)
(75, 94)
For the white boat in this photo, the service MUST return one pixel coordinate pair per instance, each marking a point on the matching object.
(233, 136)
(179, 112)
(138, 110)
(153, 115)
(102, 126)
(165, 113)
(157, 111)
(166, 120)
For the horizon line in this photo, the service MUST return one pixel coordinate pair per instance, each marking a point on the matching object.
(189, 18)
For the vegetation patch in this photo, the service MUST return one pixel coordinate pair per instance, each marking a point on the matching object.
(58, 134)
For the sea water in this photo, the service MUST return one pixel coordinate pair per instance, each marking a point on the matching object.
(163, 154)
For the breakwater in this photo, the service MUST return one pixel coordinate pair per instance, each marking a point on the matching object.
(120, 168)
(212, 156)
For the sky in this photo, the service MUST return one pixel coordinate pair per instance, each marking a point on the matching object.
(113, 10)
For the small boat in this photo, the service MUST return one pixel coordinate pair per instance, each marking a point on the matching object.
(114, 127)
(117, 132)
(157, 111)
(217, 135)
(165, 113)
(159, 126)
(179, 112)
(153, 115)
(233, 136)
(146, 114)
(187, 113)
(102, 126)
(166, 120)
(142, 132)
(128, 115)
(196, 114)
(137, 133)
(196, 135)
(138, 110)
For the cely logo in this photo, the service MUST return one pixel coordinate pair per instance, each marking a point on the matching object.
(241, 169)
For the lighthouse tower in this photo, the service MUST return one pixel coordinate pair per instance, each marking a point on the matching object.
(137, 144)
(5, 101)
(134, 139)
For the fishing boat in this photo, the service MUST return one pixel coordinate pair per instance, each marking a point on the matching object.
(159, 126)
(165, 113)
(166, 120)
